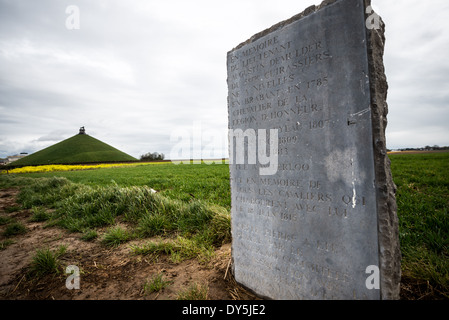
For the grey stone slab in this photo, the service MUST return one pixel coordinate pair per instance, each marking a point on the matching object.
(311, 226)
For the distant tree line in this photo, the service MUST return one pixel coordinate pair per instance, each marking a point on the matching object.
(152, 156)
(426, 148)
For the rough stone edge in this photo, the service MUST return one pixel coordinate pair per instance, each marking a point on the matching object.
(388, 225)
(306, 12)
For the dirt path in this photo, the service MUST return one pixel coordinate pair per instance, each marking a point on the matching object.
(105, 273)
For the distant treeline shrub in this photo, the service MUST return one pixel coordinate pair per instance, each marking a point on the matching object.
(152, 156)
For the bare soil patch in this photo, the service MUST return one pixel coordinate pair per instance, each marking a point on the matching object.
(105, 273)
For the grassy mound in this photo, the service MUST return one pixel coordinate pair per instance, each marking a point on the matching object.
(77, 149)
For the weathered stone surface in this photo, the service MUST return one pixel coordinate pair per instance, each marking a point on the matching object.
(389, 255)
(310, 228)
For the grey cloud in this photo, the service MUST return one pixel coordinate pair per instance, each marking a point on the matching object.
(54, 136)
(136, 71)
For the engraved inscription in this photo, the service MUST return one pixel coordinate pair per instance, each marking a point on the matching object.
(309, 230)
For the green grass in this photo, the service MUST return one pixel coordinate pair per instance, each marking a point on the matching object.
(46, 261)
(196, 224)
(12, 209)
(205, 182)
(39, 214)
(89, 235)
(115, 236)
(14, 229)
(191, 208)
(156, 283)
(178, 249)
(195, 291)
(423, 211)
(5, 220)
(77, 149)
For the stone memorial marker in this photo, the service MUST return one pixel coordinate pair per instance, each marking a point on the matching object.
(313, 201)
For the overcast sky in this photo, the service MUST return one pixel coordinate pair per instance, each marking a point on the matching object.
(136, 72)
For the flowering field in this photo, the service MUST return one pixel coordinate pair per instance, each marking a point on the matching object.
(72, 167)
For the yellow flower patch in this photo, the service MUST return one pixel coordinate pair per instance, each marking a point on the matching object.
(70, 167)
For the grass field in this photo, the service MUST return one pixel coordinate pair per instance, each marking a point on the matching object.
(422, 182)
(193, 203)
(208, 182)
